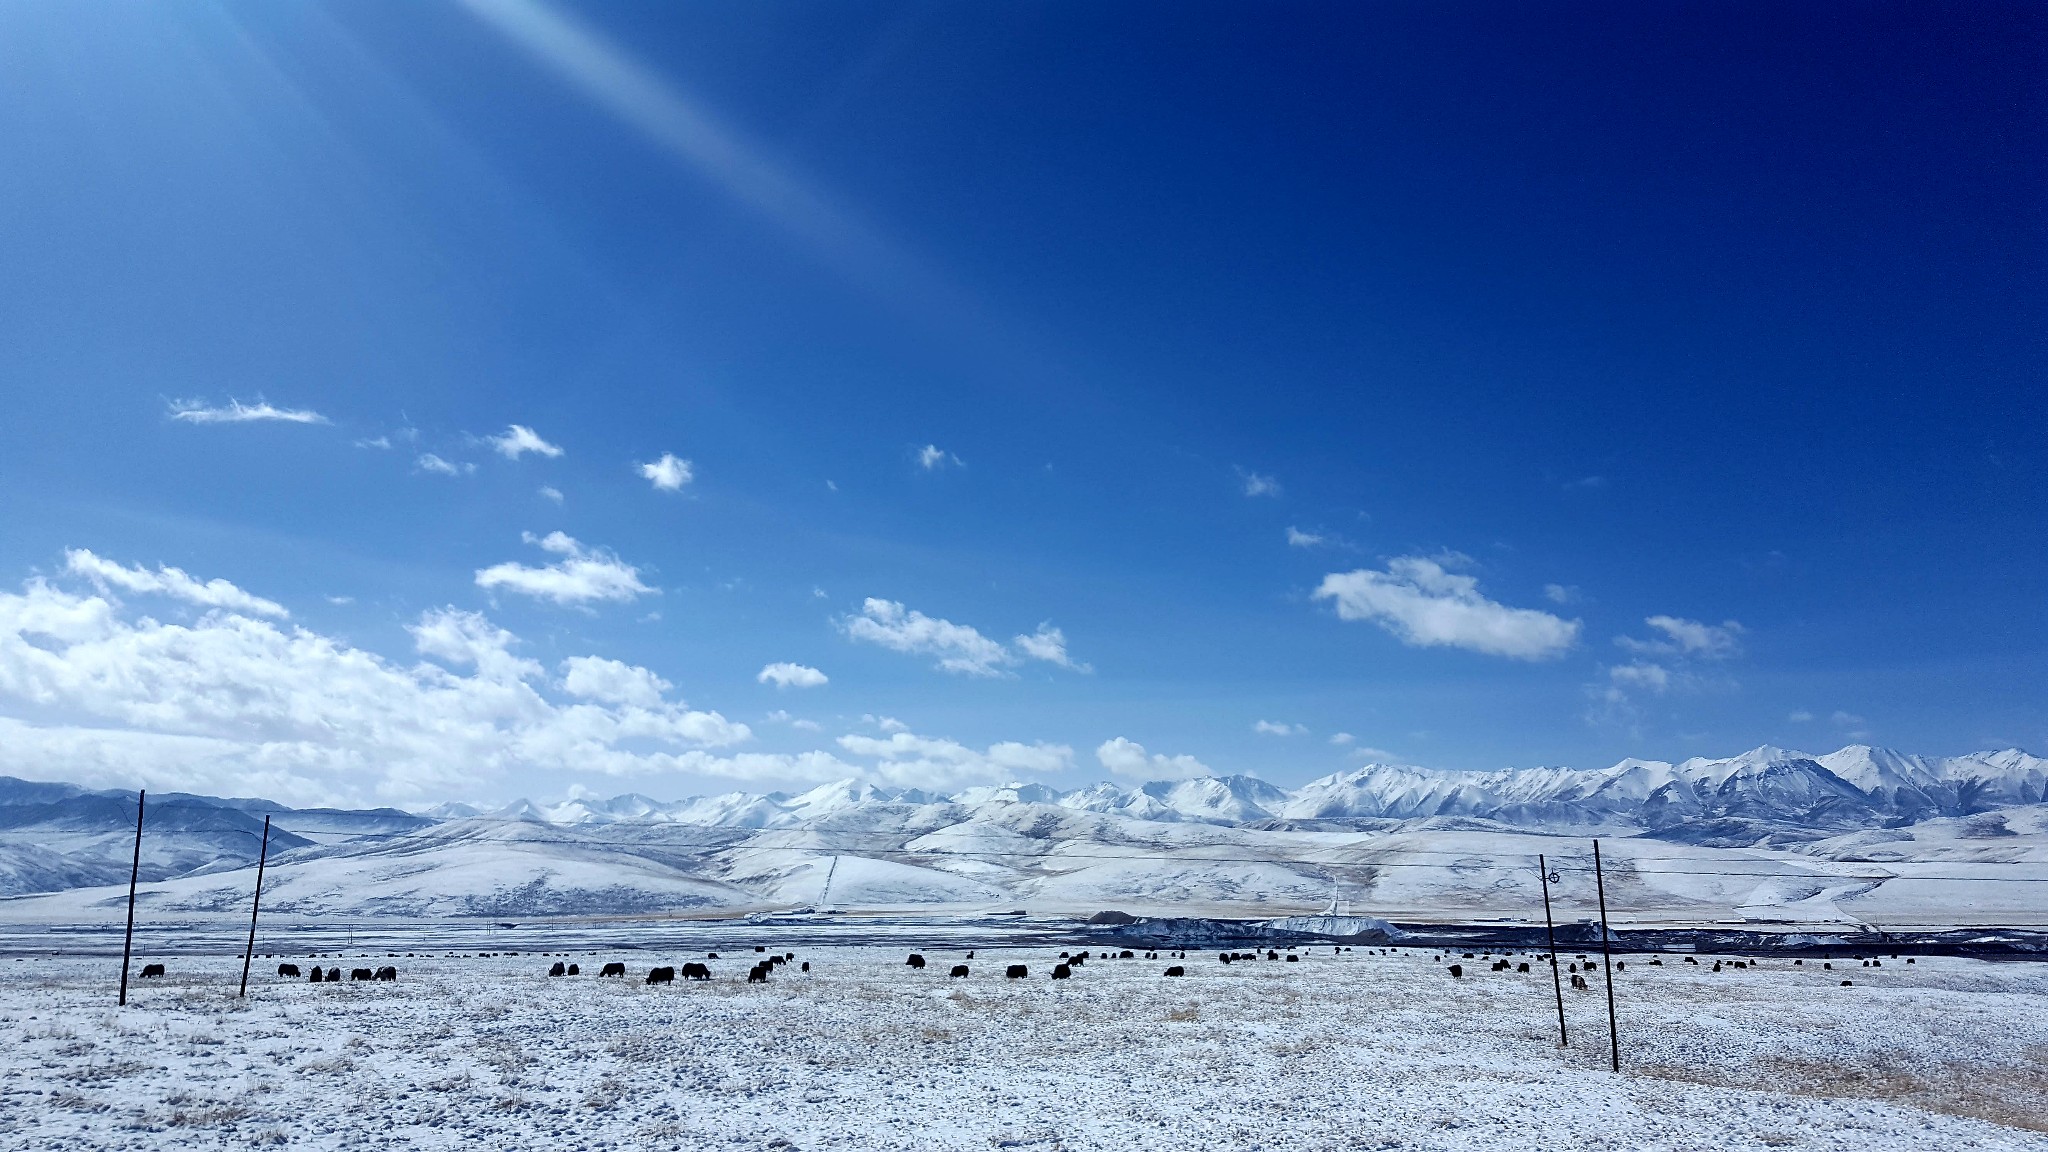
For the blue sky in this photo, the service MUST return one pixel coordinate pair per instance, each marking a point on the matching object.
(1467, 385)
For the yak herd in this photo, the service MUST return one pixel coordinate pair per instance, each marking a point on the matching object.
(1578, 969)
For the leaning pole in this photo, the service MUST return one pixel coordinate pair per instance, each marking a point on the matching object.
(262, 856)
(134, 870)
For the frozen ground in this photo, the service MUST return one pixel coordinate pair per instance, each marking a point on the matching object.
(1362, 1051)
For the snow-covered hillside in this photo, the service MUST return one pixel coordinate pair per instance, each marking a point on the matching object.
(1858, 835)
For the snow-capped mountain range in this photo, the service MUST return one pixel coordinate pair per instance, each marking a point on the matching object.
(1769, 833)
(1857, 786)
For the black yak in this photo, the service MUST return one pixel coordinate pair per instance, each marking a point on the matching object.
(315, 977)
(758, 974)
(558, 969)
(333, 975)
(1016, 972)
(615, 968)
(915, 961)
(1176, 970)
(692, 970)
(662, 975)
(1062, 972)
(387, 973)
(958, 970)
(361, 974)
(807, 965)
(151, 971)
(574, 970)
(287, 969)
(1457, 970)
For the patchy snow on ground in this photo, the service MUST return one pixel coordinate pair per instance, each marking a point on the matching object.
(1361, 1050)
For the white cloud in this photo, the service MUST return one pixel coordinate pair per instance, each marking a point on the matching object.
(1050, 645)
(1560, 593)
(551, 493)
(237, 703)
(518, 440)
(931, 458)
(669, 473)
(787, 675)
(1298, 539)
(1270, 728)
(1257, 485)
(1128, 758)
(340, 601)
(1800, 716)
(428, 462)
(909, 760)
(236, 412)
(1423, 605)
(885, 723)
(379, 442)
(782, 716)
(1845, 719)
(168, 581)
(1377, 755)
(1341, 738)
(612, 682)
(583, 574)
(959, 647)
(1689, 638)
(1651, 677)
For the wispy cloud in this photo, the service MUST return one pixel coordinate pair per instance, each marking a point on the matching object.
(1129, 759)
(236, 412)
(1256, 484)
(1299, 539)
(551, 494)
(518, 440)
(1341, 738)
(668, 474)
(168, 581)
(959, 647)
(1424, 605)
(907, 759)
(428, 462)
(1688, 638)
(784, 674)
(1274, 728)
(581, 576)
(931, 458)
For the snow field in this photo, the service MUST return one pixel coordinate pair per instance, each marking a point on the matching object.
(1354, 1051)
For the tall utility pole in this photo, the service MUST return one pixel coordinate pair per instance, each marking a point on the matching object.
(1607, 959)
(134, 870)
(262, 856)
(1550, 931)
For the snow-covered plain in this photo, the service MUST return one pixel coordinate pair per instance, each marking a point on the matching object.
(1360, 1050)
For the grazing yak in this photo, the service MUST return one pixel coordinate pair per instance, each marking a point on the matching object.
(1457, 970)
(758, 974)
(1293, 959)
(1016, 972)
(315, 977)
(615, 968)
(575, 971)
(387, 973)
(559, 969)
(695, 971)
(807, 965)
(915, 961)
(361, 974)
(287, 969)
(1226, 957)
(151, 971)
(662, 975)
(1062, 972)
(958, 970)
(1579, 983)
(333, 975)
(1124, 955)
(1176, 970)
